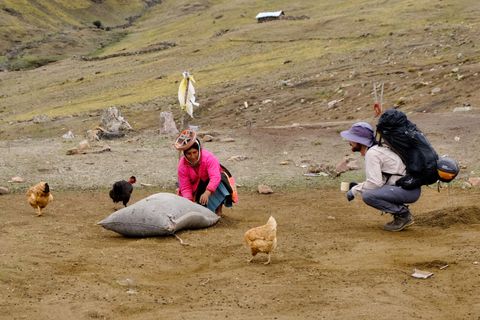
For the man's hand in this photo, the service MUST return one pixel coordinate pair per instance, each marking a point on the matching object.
(350, 195)
(204, 197)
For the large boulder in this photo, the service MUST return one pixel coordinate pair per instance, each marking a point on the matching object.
(113, 121)
(159, 215)
(167, 123)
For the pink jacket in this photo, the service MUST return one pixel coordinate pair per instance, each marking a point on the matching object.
(189, 177)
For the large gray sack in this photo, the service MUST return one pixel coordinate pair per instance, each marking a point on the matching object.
(159, 214)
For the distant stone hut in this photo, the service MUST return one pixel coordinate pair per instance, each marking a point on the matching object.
(269, 16)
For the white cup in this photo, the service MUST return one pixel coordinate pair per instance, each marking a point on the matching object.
(344, 186)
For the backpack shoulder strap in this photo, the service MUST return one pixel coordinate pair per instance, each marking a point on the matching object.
(225, 170)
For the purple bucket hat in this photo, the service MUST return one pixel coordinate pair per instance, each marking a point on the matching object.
(360, 132)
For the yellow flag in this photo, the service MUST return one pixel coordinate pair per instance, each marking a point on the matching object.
(186, 93)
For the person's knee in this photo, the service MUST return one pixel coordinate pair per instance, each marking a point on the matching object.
(368, 198)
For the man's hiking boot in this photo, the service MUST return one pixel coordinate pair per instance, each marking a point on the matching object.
(399, 222)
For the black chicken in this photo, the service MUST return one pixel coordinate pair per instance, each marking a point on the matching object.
(122, 190)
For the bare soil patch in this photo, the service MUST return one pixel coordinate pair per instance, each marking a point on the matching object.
(447, 217)
(333, 262)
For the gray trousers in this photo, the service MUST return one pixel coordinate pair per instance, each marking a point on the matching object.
(391, 199)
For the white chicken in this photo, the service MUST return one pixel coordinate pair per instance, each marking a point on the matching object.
(262, 239)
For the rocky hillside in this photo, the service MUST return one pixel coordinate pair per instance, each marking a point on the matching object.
(317, 64)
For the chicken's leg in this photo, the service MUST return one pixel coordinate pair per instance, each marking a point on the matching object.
(39, 214)
(250, 260)
(268, 261)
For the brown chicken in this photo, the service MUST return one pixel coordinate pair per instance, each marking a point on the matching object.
(262, 239)
(39, 196)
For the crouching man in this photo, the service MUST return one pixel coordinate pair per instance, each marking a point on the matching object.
(383, 168)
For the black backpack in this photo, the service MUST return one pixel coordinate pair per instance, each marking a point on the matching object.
(406, 140)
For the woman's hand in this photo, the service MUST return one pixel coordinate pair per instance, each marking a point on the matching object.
(204, 197)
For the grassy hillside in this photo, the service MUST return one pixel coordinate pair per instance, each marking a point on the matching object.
(33, 33)
(323, 51)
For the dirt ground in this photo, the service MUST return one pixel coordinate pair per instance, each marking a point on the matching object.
(275, 155)
(333, 261)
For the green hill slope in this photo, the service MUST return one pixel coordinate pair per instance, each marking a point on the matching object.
(33, 33)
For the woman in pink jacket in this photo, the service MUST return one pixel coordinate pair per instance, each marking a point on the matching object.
(200, 174)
